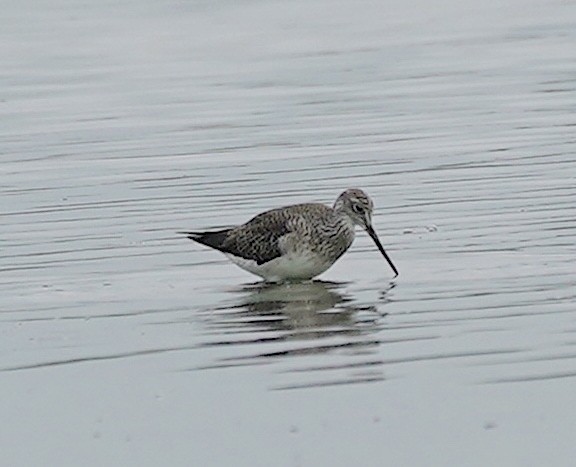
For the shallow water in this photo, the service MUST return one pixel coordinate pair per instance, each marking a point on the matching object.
(126, 344)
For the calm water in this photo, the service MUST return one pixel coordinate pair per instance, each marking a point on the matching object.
(125, 122)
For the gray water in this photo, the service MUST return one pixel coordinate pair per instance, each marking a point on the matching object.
(124, 344)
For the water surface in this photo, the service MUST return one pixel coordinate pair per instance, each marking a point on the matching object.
(126, 344)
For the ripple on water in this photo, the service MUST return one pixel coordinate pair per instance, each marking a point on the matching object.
(107, 152)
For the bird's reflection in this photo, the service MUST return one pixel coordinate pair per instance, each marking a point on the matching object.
(313, 321)
(301, 309)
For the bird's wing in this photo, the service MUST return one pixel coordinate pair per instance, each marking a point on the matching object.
(259, 239)
(265, 237)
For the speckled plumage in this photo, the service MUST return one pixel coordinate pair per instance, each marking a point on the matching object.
(295, 242)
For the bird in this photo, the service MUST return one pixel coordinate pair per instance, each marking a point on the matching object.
(296, 242)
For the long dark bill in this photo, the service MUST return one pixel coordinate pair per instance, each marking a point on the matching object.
(374, 237)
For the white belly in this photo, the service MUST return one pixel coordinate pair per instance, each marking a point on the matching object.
(288, 267)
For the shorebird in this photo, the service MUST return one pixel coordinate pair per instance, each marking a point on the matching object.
(296, 242)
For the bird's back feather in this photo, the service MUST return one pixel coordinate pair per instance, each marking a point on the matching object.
(267, 236)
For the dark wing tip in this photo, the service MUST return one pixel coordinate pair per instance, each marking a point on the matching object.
(191, 235)
(211, 239)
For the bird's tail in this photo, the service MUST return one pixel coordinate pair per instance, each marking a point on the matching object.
(192, 235)
(212, 239)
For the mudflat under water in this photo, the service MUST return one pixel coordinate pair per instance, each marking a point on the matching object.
(125, 122)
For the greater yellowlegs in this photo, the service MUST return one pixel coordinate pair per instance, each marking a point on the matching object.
(296, 242)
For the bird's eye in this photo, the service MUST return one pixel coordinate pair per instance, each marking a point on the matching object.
(357, 209)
